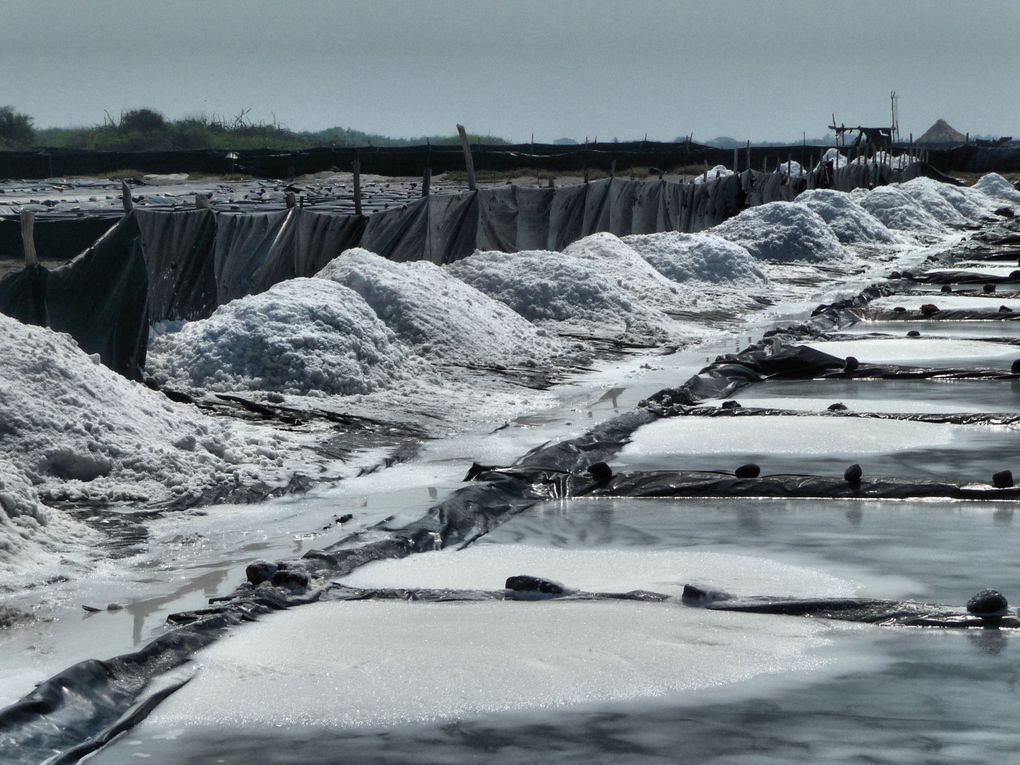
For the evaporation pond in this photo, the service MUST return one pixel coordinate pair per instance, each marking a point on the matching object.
(919, 351)
(906, 396)
(824, 445)
(958, 329)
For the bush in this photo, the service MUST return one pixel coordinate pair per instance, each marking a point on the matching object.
(15, 128)
(142, 121)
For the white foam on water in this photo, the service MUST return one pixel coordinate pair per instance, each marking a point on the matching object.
(781, 435)
(371, 664)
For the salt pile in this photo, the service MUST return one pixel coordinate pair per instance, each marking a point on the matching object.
(850, 222)
(970, 203)
(621, 263)
(783, 232)
(997, 187)
(302, 336)
(80, 432)
(926, 192)
(568, 293)
(31, 533)
(440, 316)
(719, 171)
(791, 169)
(702, 259)
(898, 210)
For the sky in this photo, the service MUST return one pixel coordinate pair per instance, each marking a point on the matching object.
(749, 69)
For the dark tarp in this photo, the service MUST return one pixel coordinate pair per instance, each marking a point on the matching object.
(320, 237)
(247, 254)
(101, 299)
(23, 295)
(178, 248)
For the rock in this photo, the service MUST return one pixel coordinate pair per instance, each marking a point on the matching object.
(1005, 212)
(260, 571)
(693, 595)
(750, 470)
(730, 404)
(1014, 276)
(114, 607)
(853, 474)
(851, 364)
(525, 583)
(988, 289)
(274, 398)
(91, 609)
(292, 579)
(345, 517)
(839, 406)
(1015, 367)
(987, 603)
(1003, 479)
(913, 333)
(929, 309)
(600, 471)
(1005, 309)
(907, 275)
(476, 470)
(895, 275)
(899, 309)
(946, 288)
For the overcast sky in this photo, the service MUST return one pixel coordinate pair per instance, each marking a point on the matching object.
(760, 69)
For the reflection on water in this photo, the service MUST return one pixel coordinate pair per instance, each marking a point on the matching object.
(939, 698)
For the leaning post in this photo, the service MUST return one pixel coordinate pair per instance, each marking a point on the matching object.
(28, 238)
(469, 162)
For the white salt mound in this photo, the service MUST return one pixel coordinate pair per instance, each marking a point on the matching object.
(898, 210)
(783, 232)
(621, 263)
(997, 187)
(791, 168)
(31, 534)
(926, 192)
(302, 336)
(78, 431)
(551, 288)
(701, 258)
(440, 316)
(719, 171)
(850, 222)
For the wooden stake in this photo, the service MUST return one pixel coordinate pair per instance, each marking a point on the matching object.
(28, 238)
(612, 168)
(552, 183)
(125, 197)
(426, 182)
(469, 162)
(356, 167)
(290, 199)
(748, 155)
(587, 175)
(736, 159)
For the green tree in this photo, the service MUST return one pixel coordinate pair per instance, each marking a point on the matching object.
(15, 128)
(142, 120)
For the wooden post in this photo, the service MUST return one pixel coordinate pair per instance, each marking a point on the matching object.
(202, 201)
(736, 160)
(125, 197)
(426, 182)
(705, 179)
(765, 163)
(612, 168)
(587, 175)
(469, 163)
(552, 182)
(748, 155)
(290, 199)
(28, 238)
(356, 167)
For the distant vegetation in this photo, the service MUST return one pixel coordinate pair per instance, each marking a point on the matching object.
(146, 129)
